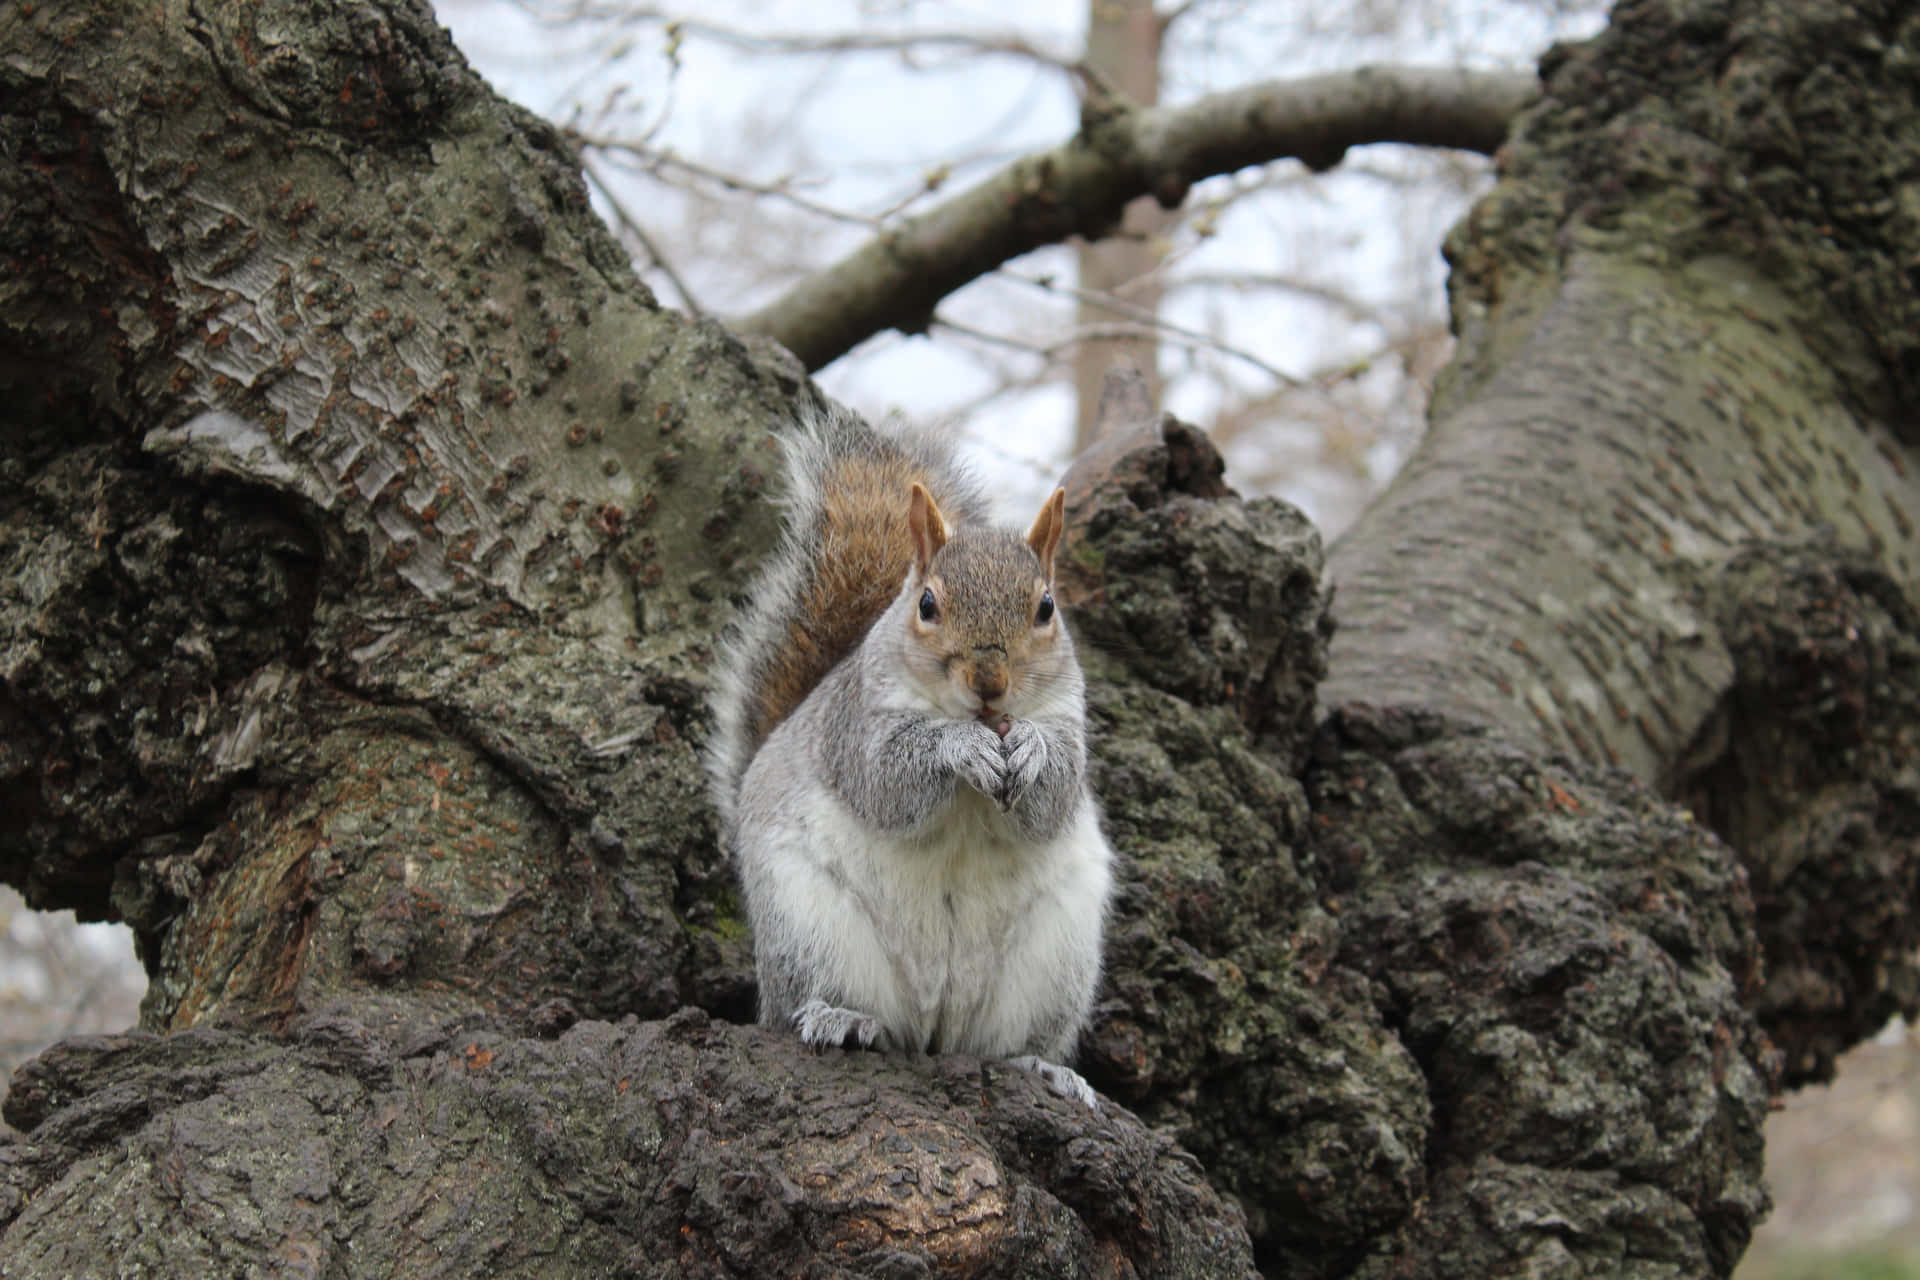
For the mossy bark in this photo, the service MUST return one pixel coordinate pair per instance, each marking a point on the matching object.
(366, 527)
(1667, 518)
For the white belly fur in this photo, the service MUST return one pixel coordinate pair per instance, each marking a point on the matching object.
(961, 941)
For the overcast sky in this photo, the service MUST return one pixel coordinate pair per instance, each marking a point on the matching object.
(857, 132)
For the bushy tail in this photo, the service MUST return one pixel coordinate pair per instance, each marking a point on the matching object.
(841, 560)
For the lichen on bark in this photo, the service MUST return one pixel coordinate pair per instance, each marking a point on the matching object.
(365, 529)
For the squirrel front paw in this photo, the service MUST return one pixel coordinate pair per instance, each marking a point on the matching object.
(821, 1024)
(976, 756)
(1026, 749)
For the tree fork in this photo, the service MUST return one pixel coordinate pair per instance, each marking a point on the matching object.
(1426, 996)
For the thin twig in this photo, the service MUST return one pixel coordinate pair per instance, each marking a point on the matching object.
(642, 159)
(971, 42)
(1147, 320)
(632, 227)
(1119, 331)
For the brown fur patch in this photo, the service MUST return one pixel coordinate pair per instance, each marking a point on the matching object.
(1044, 536)
(864, 548)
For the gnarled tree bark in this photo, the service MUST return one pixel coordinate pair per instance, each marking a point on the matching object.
(365, 529)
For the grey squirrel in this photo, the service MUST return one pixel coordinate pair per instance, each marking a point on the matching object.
(899, 763)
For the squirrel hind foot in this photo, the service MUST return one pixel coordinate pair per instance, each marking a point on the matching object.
(821, 1025)
(1064, 1081)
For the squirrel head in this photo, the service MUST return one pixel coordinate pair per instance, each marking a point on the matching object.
(982, 627)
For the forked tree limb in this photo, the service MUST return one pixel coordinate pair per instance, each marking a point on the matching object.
(895, 280)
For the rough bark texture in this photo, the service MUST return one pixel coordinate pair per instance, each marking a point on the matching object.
(345, 467)
(676, 1148)
(1569, 961)
(1667, 517)
(364, 528)
(1814, 778)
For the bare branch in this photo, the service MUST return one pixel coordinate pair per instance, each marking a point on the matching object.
(1167, 17)
(1157, 330)
(1145, 322)
(631, 225)
(1355, 309)
(907, 43)
(1082, 186)
(638, 158)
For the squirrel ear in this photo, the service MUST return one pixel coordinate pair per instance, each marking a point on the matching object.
(927, 525)
(1044, 537)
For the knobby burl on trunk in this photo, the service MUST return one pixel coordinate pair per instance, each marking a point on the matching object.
(366, 529)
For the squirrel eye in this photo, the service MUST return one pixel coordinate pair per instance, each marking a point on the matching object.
(1044, 614)
(929, 609)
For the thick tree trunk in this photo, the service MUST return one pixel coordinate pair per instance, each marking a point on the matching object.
(1667, 516)
(365, 528)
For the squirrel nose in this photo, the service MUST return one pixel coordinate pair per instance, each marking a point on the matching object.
(989, 682)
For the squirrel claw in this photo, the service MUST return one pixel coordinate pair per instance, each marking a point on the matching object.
(821, 1024)
(1026, 757)
(1064, 1081)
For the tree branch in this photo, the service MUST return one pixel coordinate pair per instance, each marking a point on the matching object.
(1081, 186)
(906, 43)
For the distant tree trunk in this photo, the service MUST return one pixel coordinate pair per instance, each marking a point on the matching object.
(366, 529)
(1123, 52)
